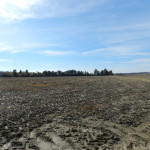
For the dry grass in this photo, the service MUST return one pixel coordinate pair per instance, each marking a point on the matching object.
(144, 78)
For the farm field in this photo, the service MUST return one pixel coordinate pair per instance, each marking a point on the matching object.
(75, 113)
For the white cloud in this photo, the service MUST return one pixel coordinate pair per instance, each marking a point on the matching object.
(16, 9)
(69, 7)
(27, 46)
(23, 9)
(132, 27)
(16, 51)
(57, 53)
(7, 48)
(41, 45)
(123, 50)
(121, 34)
(5, 60)
(139, 61)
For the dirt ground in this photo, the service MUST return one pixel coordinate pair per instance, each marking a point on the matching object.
(75, 113)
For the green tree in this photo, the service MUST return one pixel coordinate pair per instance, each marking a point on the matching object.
(14, 73)
(96, 72)
(110, 72)
(102, 73)
(27, 74)
(106, 72)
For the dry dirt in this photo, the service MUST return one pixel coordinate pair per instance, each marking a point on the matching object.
(75, 113)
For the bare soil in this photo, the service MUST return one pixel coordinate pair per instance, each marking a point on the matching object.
(75, 113)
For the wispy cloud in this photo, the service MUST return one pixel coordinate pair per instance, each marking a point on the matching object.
(57, 53)
(5, 60)
(123, 50)
(30, 46)
(133, 27)
(23, 9)
(7, 48)
(139, 61)
(16, 9)
(41, 45)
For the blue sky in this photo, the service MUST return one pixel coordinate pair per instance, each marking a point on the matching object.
(75, 34)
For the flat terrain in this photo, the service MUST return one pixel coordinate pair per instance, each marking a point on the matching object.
(75, 113)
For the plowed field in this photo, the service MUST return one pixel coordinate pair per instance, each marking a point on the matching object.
(75, 113)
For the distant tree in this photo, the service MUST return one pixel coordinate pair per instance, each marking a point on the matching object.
(59, 73)
(45, 73)
(72, 72)
(102, 73)
(54, 73)
(96, 72)
(20, 73)
(27, 73)
(110, 72)
(106, 72)
(49, 73)
(14, 73)
(80, 73)
(86, 73)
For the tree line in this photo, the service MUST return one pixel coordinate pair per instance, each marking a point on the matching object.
(46, 73)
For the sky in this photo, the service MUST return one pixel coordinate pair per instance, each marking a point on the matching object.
(56, 35)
